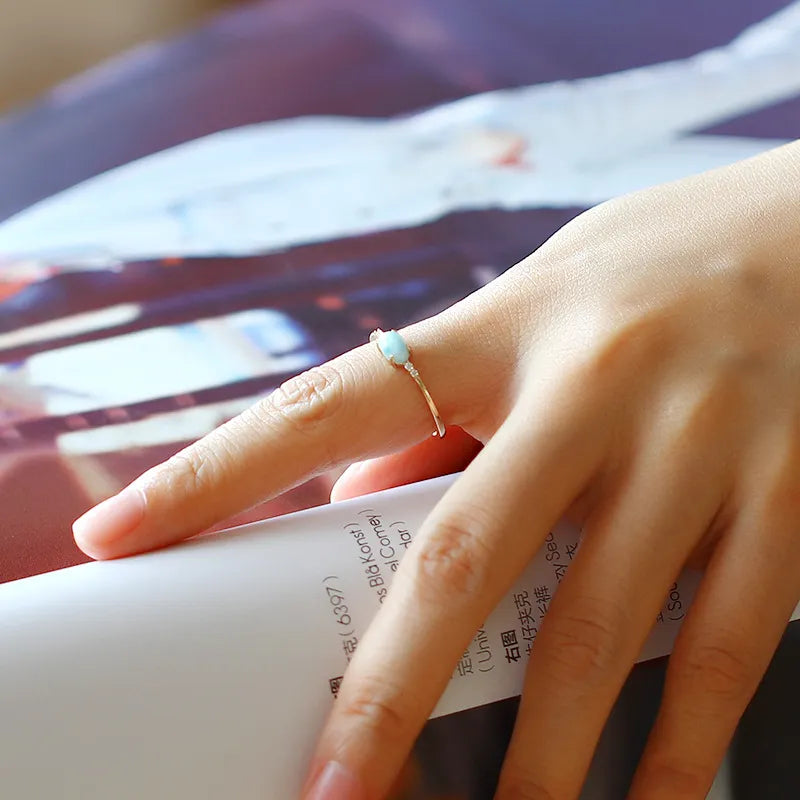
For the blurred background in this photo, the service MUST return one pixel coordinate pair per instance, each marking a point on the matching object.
(42, 42)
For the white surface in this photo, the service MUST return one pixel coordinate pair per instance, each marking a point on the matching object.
(202, 671)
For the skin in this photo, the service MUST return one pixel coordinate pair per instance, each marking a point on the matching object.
(640, 373)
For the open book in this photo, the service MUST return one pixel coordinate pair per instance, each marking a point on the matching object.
(206, 670)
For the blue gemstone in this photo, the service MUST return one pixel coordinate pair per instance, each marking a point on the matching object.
(393, 347)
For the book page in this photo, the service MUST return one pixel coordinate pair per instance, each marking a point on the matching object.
(206, 670)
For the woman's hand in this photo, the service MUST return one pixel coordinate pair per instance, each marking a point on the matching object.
(639, 372)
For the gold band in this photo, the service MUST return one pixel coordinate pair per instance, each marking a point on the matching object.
(394, 349)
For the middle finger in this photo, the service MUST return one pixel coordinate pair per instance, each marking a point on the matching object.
(471, 548)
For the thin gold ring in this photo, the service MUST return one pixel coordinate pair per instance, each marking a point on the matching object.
(395, 350)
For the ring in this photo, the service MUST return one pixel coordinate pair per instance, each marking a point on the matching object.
(395, 350)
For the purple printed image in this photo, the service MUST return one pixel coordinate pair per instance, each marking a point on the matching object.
(108, 369)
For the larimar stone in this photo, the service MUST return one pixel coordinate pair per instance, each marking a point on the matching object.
(393, 347)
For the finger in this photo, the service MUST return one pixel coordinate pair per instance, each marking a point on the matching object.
(470, 549)
(632, 550)
(743, 605)
(354, 406)
(428, 459)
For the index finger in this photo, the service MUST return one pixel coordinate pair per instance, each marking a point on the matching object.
(352, 407)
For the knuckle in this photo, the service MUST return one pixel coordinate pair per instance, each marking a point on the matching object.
(374, 705)
(307, 399)
(676, 778)
(716, 668)
(452, 562)
(192, 470)
(694, 415)
(581, 644)
(623, 339)
(518, 785)
(781, 500)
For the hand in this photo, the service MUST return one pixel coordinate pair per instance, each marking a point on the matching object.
(641, 373)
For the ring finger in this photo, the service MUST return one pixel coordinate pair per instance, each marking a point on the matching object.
(632, 550)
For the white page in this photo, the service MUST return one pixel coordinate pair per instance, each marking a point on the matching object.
(202, 671)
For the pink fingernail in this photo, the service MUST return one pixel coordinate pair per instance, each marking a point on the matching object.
(112, 519)
(335, 782)
(351, 472)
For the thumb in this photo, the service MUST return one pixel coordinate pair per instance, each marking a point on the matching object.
(428, 459)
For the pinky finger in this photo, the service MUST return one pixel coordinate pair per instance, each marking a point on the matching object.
(742, 608)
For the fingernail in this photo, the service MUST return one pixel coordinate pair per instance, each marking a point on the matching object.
(110, 520)
(335, 782)
(351, 472)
